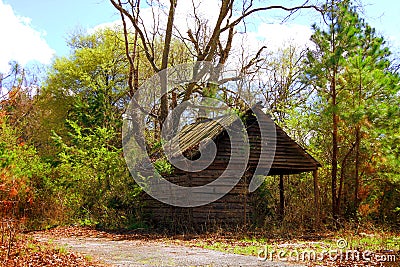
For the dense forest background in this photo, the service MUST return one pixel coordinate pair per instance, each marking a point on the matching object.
(60, 128)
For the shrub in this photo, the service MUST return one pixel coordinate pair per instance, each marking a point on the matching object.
(98, 189)
(24, 179)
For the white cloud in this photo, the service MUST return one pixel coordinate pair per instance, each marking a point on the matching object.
(278, 35)
(20, 42)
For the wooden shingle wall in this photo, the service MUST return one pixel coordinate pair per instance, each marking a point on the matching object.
(235, 208)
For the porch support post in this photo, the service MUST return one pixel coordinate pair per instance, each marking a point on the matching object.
(281, 198)
(316, 198)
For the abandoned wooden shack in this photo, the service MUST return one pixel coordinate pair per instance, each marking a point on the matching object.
(236, 207)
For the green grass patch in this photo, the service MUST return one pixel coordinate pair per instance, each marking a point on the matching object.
(341, 240)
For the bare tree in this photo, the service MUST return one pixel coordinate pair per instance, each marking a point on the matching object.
(282, 86)
(205, 42)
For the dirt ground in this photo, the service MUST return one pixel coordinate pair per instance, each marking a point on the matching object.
(104, 248)
(118, 250)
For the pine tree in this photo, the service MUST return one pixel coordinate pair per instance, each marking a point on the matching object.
(324, 67)
(349, 69)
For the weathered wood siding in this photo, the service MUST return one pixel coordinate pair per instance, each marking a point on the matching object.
(235, 208)
(230, 209)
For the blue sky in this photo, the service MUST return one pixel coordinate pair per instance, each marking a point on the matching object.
(57, 18)
(37, 30)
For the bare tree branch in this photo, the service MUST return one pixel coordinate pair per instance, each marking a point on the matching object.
(140, 32)
(249, 12)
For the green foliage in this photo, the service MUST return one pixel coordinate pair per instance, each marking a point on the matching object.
(79, 112)
(98, 188)
(349, 70)
(24, 178)
(93, 77)
(163, 166)
(89, 87)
